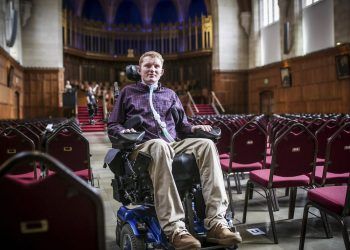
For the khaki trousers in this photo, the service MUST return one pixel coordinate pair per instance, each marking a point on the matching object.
(168, 205)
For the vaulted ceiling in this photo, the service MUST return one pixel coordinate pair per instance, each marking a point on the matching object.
(144, 12)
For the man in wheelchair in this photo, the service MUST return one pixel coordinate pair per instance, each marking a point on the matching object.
(155, 104)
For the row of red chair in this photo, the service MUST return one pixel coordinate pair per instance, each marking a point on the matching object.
(287, 152)
(63, 140)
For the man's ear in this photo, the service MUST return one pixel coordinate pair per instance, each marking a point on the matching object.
(162, 72)
(138, 68)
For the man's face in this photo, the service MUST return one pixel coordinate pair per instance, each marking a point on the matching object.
(151, 69)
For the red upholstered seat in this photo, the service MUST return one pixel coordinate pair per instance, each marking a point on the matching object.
(237, 167)
(320, 161)
(331, 178)
(224, 156)
(262, 177)
(331, 197)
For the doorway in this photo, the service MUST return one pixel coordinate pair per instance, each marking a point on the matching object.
(266, 102)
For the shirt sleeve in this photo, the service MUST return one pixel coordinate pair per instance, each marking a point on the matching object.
(117, 117)
(183, 126)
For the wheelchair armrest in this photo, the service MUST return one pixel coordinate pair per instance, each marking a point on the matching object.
(126, 140)
(214, 134)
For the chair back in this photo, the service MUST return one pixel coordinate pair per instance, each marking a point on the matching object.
(31, 135)
(12, 142)
(223, 144)
(315, 125)
(69, 147)
(248, 144)
(294, 152)
(57, 212)
(322, 135)
(338, 151)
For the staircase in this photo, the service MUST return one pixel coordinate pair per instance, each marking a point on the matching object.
(204, 109)
(83, 117)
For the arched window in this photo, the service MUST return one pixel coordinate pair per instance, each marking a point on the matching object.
(93, 10)
(128, 13)
(165, 12)
(197, 9)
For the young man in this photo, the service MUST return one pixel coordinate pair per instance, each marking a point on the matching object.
(154, 103)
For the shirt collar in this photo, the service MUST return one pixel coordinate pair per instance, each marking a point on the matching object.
(158, 84)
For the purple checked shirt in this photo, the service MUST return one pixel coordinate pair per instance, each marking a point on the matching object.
(134, 100)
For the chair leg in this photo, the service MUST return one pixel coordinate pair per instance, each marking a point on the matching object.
(272, 219)
(239, 186)
(303, 226)
(242, 175)
(230, 195)
(249, 189)
(292, 199)
(287, 192)
(345, 235)
(325, 224)
(236, 181)
(275, 205)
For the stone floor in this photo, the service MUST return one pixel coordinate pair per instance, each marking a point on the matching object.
(288, 230)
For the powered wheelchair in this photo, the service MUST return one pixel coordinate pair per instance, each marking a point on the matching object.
(137, 226)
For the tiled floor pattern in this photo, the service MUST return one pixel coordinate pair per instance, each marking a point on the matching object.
(288, 230)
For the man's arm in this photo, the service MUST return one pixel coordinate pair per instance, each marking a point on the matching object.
(117, 117)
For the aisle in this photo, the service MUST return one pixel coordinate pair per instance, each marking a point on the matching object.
(99, 145)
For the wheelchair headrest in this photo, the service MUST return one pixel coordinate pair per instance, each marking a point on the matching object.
(132, 74)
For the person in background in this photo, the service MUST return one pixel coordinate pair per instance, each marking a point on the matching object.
(154, 102)
(91, 101)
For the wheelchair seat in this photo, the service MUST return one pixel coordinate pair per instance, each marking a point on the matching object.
(132, 183)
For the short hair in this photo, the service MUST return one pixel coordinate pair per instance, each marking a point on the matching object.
(153, 54)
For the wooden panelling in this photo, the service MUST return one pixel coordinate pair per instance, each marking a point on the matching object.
(43, 92)
(11, 97)
(315, 86)
(231, 89)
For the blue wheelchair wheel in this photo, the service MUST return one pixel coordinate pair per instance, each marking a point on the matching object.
(129, 241)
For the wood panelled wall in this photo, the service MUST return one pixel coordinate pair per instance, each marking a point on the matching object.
(231, 89)
(11, 94)
(43, 92)
(315, 86)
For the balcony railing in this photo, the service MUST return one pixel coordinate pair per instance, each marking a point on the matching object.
(131, 40)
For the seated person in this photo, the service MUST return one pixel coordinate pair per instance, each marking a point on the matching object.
(154, 102)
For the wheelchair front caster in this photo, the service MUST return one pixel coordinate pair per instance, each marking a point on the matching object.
(129, 241)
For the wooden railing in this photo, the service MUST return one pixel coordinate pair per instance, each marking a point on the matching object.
(191, 104)
(216, 102)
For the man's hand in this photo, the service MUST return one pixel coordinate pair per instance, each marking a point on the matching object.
(128, 131)
(206, 128)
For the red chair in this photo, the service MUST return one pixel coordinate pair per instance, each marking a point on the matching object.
(293, 158)
(322, 135)
(72, 149)
(223, 144)
(337, 165)
(247, 153)
(31, 135)
(12, 142)
(330, 200)
(57, 212)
